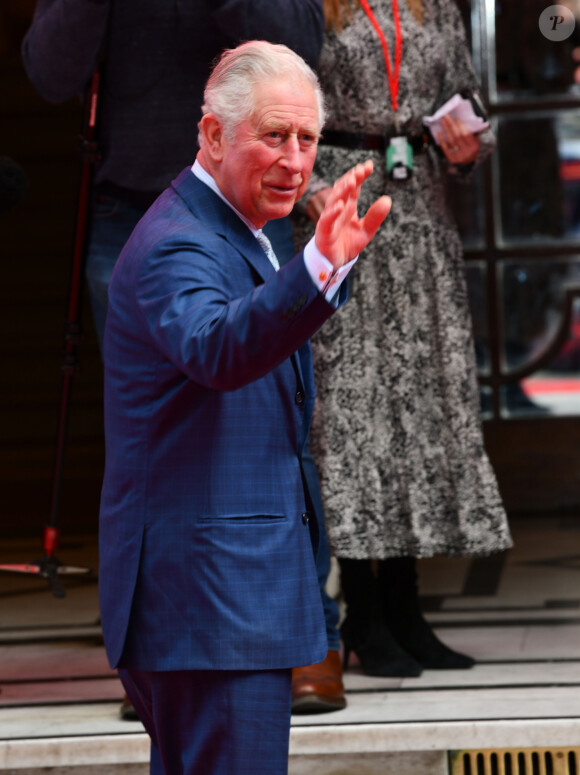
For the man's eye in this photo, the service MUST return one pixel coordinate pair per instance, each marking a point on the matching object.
(307, 139)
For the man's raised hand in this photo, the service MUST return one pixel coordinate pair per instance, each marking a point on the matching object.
(340, 233)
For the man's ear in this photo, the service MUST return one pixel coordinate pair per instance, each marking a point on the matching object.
(214, 136)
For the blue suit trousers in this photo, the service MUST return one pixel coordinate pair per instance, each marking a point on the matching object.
(214, 722)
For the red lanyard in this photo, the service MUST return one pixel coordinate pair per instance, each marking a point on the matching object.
(392, 72)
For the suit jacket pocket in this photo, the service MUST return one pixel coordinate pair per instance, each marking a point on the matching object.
(241, 518)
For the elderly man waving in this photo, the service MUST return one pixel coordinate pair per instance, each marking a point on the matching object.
(209, 592)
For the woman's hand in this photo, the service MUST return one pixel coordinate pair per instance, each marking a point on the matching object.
(459, 145)
(316, 204)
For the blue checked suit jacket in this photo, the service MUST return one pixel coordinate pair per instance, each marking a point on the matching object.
(206, 557)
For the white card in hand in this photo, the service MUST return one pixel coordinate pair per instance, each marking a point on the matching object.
(457, 107)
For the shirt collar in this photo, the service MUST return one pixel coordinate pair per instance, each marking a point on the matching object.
(201, 173)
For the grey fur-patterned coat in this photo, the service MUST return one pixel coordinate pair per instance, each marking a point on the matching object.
(397, 436)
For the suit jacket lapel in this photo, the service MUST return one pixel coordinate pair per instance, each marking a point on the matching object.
(206, 205)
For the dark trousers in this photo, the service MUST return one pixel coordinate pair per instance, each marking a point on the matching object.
(214, 722)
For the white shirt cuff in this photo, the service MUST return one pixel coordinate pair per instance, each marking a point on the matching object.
(326, 278)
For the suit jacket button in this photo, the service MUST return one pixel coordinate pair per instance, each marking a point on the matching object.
(299, 397)
(305, 517)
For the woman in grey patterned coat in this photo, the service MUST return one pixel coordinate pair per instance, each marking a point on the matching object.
(397, 434)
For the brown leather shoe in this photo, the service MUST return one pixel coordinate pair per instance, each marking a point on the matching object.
(127, 711)
(318, 688)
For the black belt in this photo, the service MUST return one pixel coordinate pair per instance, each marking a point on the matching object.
(417, 140)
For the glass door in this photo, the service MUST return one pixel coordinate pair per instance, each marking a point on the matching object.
(520, 223)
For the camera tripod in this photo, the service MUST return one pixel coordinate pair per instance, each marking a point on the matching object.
(48, 566)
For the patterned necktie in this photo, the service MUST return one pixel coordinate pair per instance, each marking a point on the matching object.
(267, 245)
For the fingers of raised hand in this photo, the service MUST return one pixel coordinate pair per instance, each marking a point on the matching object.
(349, 184)
(375, 215)
(340, 233)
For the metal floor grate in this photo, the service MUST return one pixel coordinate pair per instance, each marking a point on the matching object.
(514, 761)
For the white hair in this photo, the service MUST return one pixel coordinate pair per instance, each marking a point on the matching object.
(229, 92)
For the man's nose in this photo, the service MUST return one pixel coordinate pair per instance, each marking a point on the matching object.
(291, 156)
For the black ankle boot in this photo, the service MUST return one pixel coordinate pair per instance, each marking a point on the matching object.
(398, 581)
(378, 652)
(364, 630)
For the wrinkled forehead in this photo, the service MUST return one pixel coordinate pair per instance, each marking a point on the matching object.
(286, 102)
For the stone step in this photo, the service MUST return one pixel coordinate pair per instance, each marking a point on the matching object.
(74, 739)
